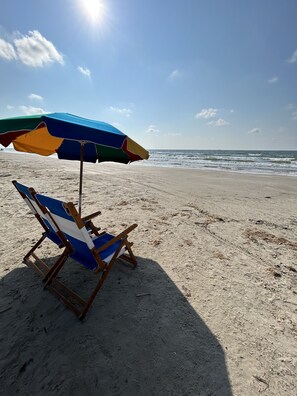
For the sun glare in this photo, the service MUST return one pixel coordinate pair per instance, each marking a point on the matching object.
(94, 9)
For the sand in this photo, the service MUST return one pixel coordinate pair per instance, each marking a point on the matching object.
(210, 310)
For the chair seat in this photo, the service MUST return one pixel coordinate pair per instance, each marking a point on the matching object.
(85, 257)
(101, 240)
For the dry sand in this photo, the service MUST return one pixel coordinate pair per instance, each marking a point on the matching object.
(217, 256)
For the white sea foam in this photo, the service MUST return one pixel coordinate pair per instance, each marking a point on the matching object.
(264, 162)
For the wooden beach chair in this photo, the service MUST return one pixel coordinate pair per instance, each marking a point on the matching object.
(96, 252)
(50, 229)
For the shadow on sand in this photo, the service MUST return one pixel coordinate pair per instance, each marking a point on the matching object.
(154, 344)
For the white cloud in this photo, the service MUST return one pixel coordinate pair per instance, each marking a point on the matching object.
(254, 131)
(6, 50)
(122, 111)
(152, 129)
(9, 107)
(273, 80)
(290, 106)
(174, 74)
(219, 122)
(207, 113)
(35, 97)
(30, 110)
(35, 50)
(294, 116)
(293, 58)
(85, 71)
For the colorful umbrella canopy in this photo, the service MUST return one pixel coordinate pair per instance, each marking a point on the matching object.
(70, 137)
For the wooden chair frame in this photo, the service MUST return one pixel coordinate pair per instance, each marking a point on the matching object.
(70, 298)
(40, 267)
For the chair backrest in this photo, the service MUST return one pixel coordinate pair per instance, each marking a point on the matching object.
(71, 225)
(28, 194)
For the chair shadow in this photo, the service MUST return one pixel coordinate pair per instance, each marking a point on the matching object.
(141, 337)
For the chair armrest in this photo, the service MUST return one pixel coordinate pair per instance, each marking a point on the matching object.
(122, 235)
(91, 216)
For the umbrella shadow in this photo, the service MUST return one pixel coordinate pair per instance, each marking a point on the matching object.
(141, 337)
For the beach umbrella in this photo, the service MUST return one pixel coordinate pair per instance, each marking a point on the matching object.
(70, 137)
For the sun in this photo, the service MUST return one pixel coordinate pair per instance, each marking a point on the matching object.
(94, 9)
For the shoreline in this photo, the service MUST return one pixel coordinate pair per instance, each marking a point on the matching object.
(143, 165)
(219, 170)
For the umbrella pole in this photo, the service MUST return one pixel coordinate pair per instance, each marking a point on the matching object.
(81, 176)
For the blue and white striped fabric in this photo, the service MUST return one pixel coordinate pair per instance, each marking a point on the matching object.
(79, 238)
(51, 234)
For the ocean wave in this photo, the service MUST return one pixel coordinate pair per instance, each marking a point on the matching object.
(268, 162)
(264, 162)
(227, 159)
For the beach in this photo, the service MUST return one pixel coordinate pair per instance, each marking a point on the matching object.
(210, 309)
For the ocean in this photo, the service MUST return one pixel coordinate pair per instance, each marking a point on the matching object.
(247, 161)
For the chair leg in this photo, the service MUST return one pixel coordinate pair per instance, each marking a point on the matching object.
(104, 276)
(34, 247)
(52, 273)
(56, 268)
(105, 272)
(133, 258)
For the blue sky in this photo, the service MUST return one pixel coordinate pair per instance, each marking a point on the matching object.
(171, 74)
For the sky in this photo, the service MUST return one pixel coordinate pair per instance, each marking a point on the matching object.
(186, 74)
